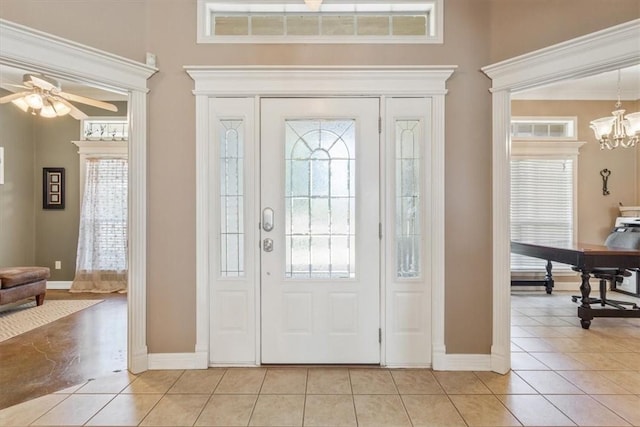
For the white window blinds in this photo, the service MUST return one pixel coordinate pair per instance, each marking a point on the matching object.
(542, 205)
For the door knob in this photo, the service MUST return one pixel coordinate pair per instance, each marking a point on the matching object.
(267, 219)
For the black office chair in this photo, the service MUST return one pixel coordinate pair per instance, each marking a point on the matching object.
(617, 239)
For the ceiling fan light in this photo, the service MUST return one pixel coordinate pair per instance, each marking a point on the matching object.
(48, 112)
(314, 5)
(602, 127)
(34, 101)
(61, 108)
(21, 104)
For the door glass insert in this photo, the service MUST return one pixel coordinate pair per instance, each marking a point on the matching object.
(320, 199)
(231, 198)
(408, 198)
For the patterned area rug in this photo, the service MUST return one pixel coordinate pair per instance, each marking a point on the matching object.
(25, 317)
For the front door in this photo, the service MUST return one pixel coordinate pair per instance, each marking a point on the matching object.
(320, 241)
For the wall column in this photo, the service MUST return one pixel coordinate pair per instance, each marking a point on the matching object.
(501, 347)
(137, 281)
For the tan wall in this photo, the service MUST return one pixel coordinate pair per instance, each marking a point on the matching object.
(520, 26)
(596, 212)
(474, 37)
(17, 223)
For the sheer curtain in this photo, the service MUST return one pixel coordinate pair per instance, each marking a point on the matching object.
(101, 262)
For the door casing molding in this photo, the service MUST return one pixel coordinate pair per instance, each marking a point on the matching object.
(310, 81)
(609, 49)
(29, 49)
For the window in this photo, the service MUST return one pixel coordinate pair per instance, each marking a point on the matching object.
(105, 129)
(543, 188)
(544, 128)
(541, 204)
(320, 199)
(232, 234)
(291, 21)
(408, 198)
(101, 262)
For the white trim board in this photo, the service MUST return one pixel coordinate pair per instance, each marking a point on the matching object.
(606, 50)
(258, 81)
(63, 285)
(175, 361)
(34, 50)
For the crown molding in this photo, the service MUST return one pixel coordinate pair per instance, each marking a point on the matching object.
(615, 47)
(20, 45)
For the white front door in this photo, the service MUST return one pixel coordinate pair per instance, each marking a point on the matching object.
(320, 262)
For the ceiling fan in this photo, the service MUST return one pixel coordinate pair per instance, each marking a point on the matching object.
(46, 98)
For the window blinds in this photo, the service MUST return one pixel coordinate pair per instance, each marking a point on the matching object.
(541, 206)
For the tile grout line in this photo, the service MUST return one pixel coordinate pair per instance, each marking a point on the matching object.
(353, 398)
(159, 400)
(304, 404)
(253, 409)
(401, 399)
(209, 399)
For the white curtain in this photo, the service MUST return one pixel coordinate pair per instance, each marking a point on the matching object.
(101, 263)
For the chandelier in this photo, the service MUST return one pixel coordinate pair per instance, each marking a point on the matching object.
(618, 130)
(314, 5)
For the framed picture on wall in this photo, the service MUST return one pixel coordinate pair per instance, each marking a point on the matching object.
(52, 188)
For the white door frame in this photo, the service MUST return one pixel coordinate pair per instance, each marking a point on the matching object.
(610, 49)
(29, 49)
(258, 81)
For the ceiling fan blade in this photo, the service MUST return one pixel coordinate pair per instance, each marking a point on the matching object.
(41, 82)
(14, 85)
(75, 113)
(88, 101)
(12, 97)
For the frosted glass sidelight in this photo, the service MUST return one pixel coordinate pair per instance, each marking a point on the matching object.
(320, 199)
(231, 198)
(408, 198)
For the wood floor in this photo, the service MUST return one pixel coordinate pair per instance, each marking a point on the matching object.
(69, 351)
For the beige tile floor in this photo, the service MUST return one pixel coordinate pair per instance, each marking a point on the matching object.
(562, 376)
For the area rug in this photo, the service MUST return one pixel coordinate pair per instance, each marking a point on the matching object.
(25, 317)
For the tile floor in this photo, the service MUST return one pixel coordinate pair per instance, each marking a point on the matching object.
(562, 375)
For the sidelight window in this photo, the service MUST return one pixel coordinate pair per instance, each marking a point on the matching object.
(231, 198)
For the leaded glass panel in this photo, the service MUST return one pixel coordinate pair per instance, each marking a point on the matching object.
(320, 198)
(408, 198)
(231, 198)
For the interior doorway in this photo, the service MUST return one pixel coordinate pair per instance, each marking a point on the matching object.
(609, 49)
(25, 48)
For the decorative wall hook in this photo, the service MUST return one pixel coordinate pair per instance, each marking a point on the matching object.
(605, 173)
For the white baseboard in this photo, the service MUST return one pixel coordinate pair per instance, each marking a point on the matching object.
(59, 285)
(408, 366)
(138, 359)
(465, 362)
(177, 361)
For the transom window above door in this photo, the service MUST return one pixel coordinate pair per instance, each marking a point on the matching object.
(293, 21)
